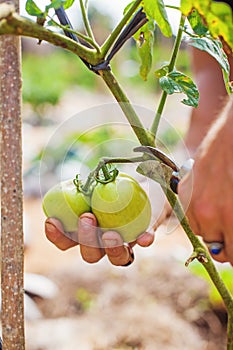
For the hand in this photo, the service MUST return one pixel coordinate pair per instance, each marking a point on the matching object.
(92, 245)
(207, 192)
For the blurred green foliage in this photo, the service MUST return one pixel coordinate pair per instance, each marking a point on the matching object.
(226, 273)
(47, 77)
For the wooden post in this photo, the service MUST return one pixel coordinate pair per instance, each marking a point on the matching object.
(12, 246)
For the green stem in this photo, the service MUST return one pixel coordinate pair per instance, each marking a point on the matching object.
(158, 114)
(12, 23)
(113, 36)
(155, 124)
(230, 331)
(144, 137)
(172, 7)
(177, 44)
(86, 188)
(79, 35)
(107, 176)
(86, 22)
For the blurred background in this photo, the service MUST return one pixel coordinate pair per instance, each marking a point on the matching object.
(70, 121)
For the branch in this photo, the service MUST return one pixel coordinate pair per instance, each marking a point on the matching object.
(114, 35)
(12, 23)
(144, 137)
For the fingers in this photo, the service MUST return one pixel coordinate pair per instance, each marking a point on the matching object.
(91, 249)
(145, 239)
(88, 238)
(55, 234)
(119, 253)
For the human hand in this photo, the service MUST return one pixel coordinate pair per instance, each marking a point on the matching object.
(206, 192)
(93, 243)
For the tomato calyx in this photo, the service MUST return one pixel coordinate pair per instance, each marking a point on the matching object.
(87, 188)
(106, 175)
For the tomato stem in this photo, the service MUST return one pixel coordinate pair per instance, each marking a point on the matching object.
(107, 175)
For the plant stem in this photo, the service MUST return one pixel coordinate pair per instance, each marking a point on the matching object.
(86, 22)
(12, 23)
(230, 331)
(104, 168)
(155, 124)
(79, 35)
(113, 36)
(144, 137)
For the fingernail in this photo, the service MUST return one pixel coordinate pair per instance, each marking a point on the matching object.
(110, 243)
(86, 222)
(50, 227)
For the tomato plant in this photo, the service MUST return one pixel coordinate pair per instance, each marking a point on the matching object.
(121, 205)
(208, 20)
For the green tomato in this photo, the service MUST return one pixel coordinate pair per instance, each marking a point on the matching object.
(66, 203)
(123, 206)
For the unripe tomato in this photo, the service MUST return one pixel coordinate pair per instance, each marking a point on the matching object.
(66, 203)
(123, 206)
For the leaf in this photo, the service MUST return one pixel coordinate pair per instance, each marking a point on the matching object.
(177, 82)
(156, 9)
(202, 6)
(162, 71)
(196, 23)
(68, 3)
(32, 9)
(55, 4)
(145, 40)
(214, 48)
(220, 22)
(216, 15)
(58, 3)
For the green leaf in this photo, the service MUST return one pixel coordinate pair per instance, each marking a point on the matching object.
(55, 4)
(58, 3)
(67, 4)
(196, 23)
(145, 40)
(32, 9)
(216, 15)
(161, 72)
(220, 22)
(214, 48)
(156, 9)
(202, 6)
(177, 82)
